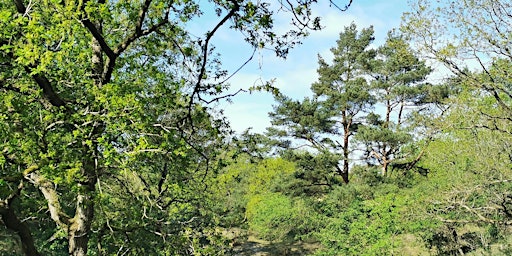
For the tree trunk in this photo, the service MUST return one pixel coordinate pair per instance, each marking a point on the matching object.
(385, 164)
(344, 175)
(388, 113)
(346, 135)
(399, 121)
(80, 225)
(78, 233)
(346, 152)
(12, 222)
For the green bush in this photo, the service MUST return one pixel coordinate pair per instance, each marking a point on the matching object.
(367, 227)
(276, 217)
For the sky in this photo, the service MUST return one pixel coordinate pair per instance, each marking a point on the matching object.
(295, 74)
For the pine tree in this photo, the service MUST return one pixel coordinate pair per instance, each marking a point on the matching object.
(341, 96)
(399, 83)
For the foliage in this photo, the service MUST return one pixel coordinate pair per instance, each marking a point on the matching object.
(340, 95)
(399, 86)
(242, 180)
(477, 161)
(471, 39)
(106, 102)
(271, 216)
(110, 145)
(368, 228)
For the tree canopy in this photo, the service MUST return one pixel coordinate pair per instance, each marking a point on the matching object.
(106, 102)
(111, 142)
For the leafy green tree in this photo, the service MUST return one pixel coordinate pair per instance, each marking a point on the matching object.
(472, 40)
(341, 95)
(471, 159)
(398, 84)
(104, 113)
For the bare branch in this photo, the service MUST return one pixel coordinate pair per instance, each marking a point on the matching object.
(239, 68)
(224, 96)
(339, 8)
(209, 36)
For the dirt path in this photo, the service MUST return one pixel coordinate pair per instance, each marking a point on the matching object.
(258, 247)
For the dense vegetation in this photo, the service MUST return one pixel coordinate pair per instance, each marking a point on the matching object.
(109, 144)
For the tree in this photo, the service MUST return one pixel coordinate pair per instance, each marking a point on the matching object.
(341, 95)
(472, 40)
(471, 162)
(398, 75)
(305, 121)
(107, 100)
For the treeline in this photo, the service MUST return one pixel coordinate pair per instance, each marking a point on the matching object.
(432, 174)
(386, 158)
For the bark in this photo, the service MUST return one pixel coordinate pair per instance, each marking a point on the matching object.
(399, 121)
(13, 223)
(388, 113)
(385, 165)
(97, 61)
(344, 174)
(80, 225)
(50, 194)
(346, 135)
(78, 231)
(20, 6)
(48, 90)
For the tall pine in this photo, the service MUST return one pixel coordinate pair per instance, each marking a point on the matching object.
(341, 97)
(398, 84)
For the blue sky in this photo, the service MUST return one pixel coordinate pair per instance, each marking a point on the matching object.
(294, 75)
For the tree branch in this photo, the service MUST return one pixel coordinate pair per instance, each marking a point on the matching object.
(48, 91)
(339, 8)
(138, 33)
(209, 36)
(224, 96)
(12, 222)
(50, 194)
(101, 40)
(41, 80)
(20, 7)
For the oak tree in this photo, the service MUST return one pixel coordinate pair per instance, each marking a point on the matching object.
(104, 106)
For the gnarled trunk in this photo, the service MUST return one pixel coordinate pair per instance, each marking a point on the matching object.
(80, 225)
